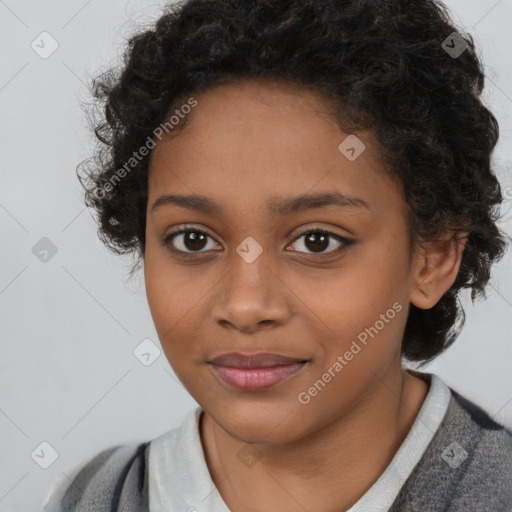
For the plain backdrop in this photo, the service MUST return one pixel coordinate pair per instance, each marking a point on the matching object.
(69, 326)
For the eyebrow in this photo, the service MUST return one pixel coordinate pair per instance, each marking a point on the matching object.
(277, 206)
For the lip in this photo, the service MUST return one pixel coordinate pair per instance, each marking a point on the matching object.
(256, 379)
(255, 372)
(258, 360)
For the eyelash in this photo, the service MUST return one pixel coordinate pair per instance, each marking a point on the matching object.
(345, 243)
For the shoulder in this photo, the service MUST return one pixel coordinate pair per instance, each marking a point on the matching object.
(488, 451)
(114, 479)
(466, 467)
(490, 442)
(481, 421)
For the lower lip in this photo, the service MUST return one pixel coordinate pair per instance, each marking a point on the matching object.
(256, 379)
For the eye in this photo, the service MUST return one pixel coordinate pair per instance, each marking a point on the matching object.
(317, 240)
(194, 240)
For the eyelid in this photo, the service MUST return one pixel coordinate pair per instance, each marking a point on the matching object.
(344, 242)
(167, 238)
(296, 234)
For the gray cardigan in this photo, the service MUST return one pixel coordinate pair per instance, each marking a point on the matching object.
(473, 475)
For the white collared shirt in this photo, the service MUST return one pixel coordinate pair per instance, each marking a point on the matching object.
(179, 479)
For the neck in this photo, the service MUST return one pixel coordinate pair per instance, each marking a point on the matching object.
(329, 469)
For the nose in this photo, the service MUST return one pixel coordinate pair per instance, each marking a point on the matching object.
(251, 297)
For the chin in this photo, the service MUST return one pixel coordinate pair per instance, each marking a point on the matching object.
(256, 427)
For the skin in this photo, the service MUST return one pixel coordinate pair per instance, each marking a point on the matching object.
(241, 145)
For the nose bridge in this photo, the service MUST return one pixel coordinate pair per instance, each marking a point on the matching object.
(251, 293)
(249, 270)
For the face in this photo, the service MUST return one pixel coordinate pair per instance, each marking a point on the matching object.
(258, 278)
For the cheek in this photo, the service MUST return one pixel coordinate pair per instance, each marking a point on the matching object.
(166, 286)
(368, 282)
(363, 301)
(164, 290)
(176, 299)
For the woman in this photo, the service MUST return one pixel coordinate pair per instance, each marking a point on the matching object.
(308, 186)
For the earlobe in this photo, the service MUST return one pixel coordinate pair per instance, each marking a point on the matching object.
(435, 269)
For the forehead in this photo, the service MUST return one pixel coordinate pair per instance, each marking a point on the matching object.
(249, 141)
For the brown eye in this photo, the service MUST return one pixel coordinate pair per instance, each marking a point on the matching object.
(190, 240)
(317, 241)
(193, 241)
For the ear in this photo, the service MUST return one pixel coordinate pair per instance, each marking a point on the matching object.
(435, 268)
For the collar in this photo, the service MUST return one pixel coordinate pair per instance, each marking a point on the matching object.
(179, 479)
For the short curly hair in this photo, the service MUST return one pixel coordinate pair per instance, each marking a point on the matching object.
(386, 64)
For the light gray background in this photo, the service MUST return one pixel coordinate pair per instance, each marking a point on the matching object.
(69, 326)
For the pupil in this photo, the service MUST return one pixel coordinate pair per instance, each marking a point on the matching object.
(324, 243)
(193, 237)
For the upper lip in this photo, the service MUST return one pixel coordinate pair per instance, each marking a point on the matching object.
(259, 360)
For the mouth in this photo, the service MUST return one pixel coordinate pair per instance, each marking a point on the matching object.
(259, 360)
(255, 372)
